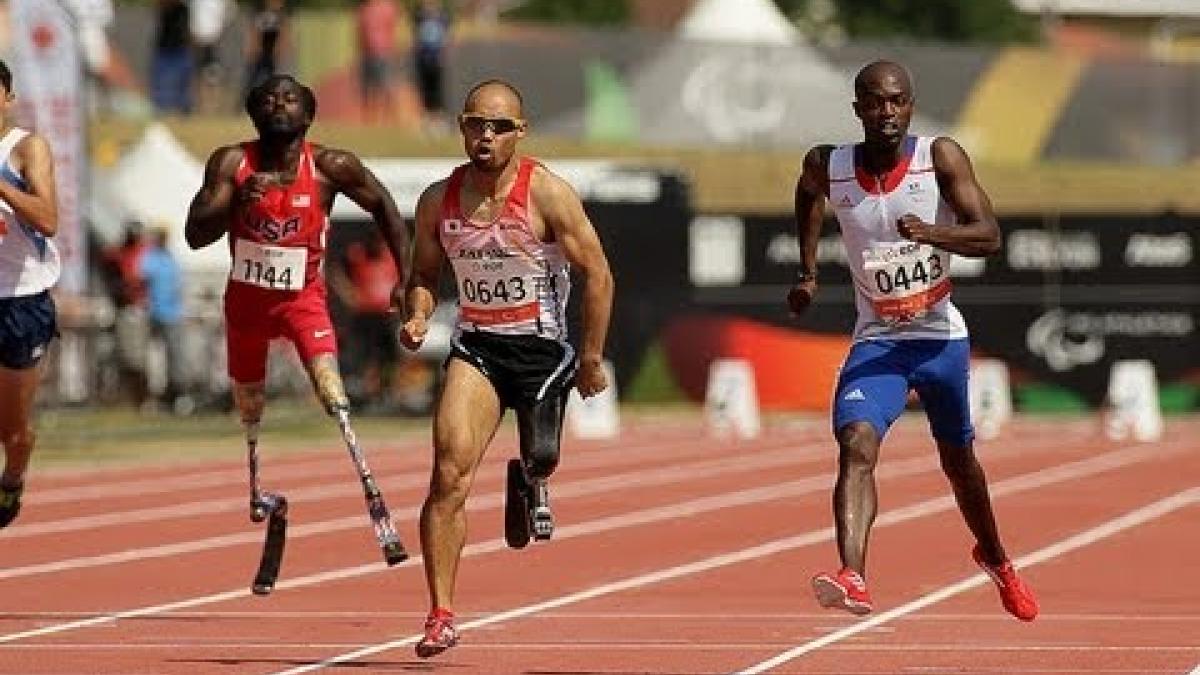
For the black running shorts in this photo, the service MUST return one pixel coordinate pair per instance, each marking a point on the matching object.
(524, 369)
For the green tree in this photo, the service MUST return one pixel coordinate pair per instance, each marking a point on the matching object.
(950, 20)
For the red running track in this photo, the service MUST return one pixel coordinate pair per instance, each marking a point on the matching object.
(676, 553)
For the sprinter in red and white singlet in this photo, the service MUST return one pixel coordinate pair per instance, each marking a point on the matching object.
(509, 228)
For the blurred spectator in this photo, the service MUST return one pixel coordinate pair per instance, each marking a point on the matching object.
(365, 288)
(265, 42)
(163, 282)
(431, 24)
(113, 80)
(208, 21)
(128, 293)
(377, 56)
(171, 70)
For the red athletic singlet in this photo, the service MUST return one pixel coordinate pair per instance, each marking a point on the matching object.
(275, 286)
(278, 242)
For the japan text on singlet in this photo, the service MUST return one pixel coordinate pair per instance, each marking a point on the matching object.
(29, 262)
(278, 242)
(901, 288)
(509, 281)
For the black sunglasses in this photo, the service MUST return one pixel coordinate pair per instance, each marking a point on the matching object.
(499, 125)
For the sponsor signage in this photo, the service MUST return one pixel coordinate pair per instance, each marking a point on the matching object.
(1064, 300)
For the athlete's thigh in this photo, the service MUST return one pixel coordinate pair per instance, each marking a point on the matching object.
(246, 352)
(17, 389)
(306, 323)
(250, 326)
(941, 382)
(466, 417)
(872, 386)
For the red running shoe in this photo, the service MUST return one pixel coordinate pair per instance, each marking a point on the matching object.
(1015, 595)
(845, 590)
(440, 633)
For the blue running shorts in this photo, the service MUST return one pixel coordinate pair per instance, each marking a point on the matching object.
(27, 325)
(874, 382)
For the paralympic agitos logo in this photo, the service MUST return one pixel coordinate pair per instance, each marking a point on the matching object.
(1066, 340)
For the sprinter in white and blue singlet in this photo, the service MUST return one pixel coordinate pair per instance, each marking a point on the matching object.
(510, 230)
(905, 205)
(29, 267)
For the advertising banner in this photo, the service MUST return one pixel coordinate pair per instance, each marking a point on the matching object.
(47, 81)
(1065, 299)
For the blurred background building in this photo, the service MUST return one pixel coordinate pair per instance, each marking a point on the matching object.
(682, 123)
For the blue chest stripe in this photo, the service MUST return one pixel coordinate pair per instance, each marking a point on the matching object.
(14, 178)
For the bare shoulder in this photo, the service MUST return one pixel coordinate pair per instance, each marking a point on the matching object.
(817, 157)
(226, 158)
(432, 196)
(337, 164)
(814, 175)
(31, 144)
(548, 189)
(947, 153)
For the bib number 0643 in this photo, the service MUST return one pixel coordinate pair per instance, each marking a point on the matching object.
(488, 291)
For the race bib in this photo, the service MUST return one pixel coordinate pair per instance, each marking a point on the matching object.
(906, 279)
(495, 299)
(275, 267)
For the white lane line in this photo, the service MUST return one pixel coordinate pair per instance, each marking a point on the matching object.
(803, 486)
(625, 617)
(391, 459)
(683, 509)
(324, 490)
(1067, 471)
(580, 488)
(685, 645)
(1029, 481)
(184, 478)
(1100, 532)
(1196, 670)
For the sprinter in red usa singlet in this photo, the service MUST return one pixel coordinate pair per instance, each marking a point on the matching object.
(509, 229)
(905, 205)
(271, 197)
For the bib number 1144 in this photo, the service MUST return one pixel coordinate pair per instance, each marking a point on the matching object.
(274, 267)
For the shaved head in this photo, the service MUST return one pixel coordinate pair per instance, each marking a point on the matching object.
(883, 101)
(877, 72)
(494, 95)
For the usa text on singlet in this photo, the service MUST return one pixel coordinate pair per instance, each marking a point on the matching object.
(901, 288)
(509, 281)
(278, 242)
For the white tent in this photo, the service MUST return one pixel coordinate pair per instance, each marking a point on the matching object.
(154, 182)
(755, 21)
(741, 74)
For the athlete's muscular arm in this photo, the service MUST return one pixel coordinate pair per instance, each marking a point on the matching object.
(38, 207)
(976, 234)
(811, 189)
(212, 207)
(420, 291)
(351, 177)
(563, 214)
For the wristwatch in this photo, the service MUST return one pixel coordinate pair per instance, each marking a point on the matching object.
(802, 276)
